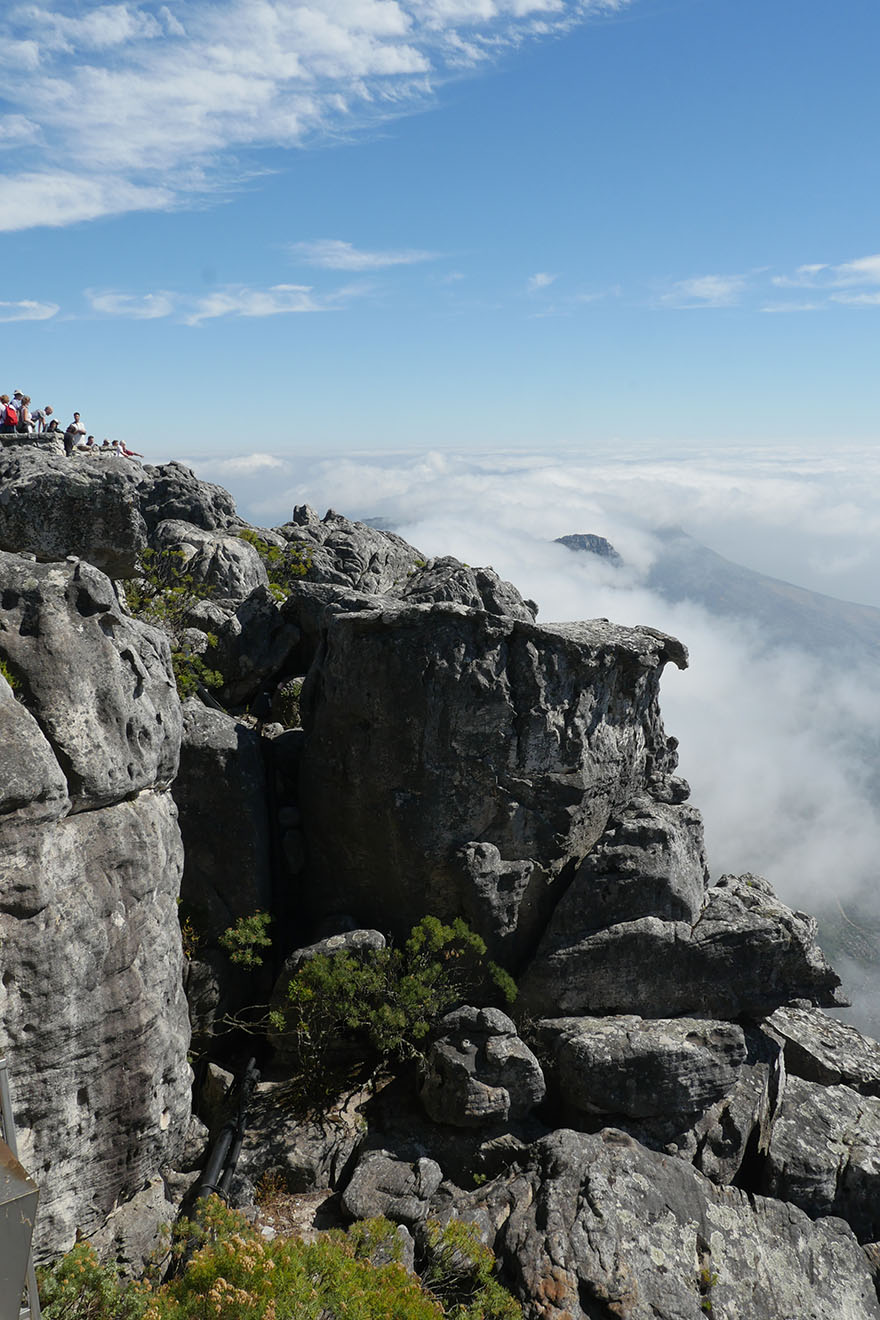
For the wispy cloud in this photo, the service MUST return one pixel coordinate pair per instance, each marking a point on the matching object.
(850, 283)
(705, 291)
(27, 311)
(336, 254)
(140, 106)
(232, 300)
(138, 307)
(540, 280)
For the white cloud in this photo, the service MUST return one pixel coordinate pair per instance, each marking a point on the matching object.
(138, 307)
(144, 109)
(27, 311)
(278, 300)
(851, 283)
(540, 280)
(64, 198)
(336, 254)
(705, 291)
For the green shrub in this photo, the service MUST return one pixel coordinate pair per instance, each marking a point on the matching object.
(10, 677)
(231, 1273)
(244, 940)
(460, 1272)
(163, 594)
(78, 1287)
(284, 566)
(384, 1000)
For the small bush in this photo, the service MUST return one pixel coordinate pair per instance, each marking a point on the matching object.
(383, 1000)
(460, 1273)
(284, 567)
(163, 594)
(10, 677)
(246, 938)
(79, 1287)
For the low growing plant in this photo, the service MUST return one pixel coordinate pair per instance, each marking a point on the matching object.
(284, 566)
(163, 594)
(383, 1001)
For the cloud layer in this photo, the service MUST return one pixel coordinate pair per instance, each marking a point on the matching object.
(139, 106)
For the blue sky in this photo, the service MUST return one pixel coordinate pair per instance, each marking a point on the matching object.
(444, 223)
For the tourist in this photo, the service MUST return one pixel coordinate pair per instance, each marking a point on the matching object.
(25, 426)
(120, 448)
(53, 428)
(41, 418)
(8, 414)
(72, 434)
(88, 445)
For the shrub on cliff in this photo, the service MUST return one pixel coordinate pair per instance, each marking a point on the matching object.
(236, 1275)
(284, 566)
(383, 1001)
(163, 594)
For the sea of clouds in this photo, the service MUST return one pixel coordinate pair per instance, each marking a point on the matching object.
(780, 744)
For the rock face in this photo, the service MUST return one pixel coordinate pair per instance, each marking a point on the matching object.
(466, 733)
(745, 953)
(596, 1226)
(92, 1015)
(455, 758)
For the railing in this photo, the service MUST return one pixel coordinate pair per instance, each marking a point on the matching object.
(19, 1195)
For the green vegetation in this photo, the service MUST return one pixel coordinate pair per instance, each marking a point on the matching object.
(164, 594)
(284, 566)
(11, 679)
(235, 1275)
(286, 703)
(246, 938)
(381, 1001)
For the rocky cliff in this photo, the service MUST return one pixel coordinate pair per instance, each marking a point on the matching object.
(668, 1126)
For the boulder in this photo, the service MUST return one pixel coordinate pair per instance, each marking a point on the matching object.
(821, 1049)
(349, 554)
(642, 1068)
(255, 643)
(225, 562)
(447, 579)
(825, 1154)
(98, 682)
(746, 954)
(308, 1153)
(478, 1072)
(431, 729)
(172, 490)
(649, 862)
(596, 1227)
(93, 1019)
(53, 506)
(399, 1190)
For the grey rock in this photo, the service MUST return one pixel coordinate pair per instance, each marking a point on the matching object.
(98, 683)
(255, 642)
(821, 1049)
(746, 954)
(225, 562)
(479, 1072)
(398, 1189)
(825, 1154)
(649, 862)
(592, 544)
(596, 1227)
(349, 554)
(56, 506)
(32, 784)
(474, 729)
(172, 490)
(138, 1231)
(194, 1150)
(220, 793)
(308, 1153)
(92, 1013)
(642, 1068)
(447, 579)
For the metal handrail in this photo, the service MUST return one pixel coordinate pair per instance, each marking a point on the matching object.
(32, 1311)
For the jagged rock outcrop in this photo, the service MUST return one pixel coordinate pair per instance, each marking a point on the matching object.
(821, 1049)
(98, 682)
(643, 1068)
(464, 728)
(225, 562)
(479, 1072)
(596, 1227)
(745, 953)
(92, 1014)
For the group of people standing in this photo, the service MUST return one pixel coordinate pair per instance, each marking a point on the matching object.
(16, 416)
